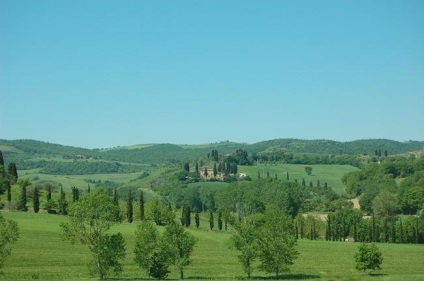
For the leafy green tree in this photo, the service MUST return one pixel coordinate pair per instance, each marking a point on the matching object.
(158, 266)
(36, 200)
(9, 234)
(146, 245)
(12, 173)
(181, 245)
(89, 221)
(277, 243)
(308, 170)
(215, 170)
(368, 258)
(141, 206)
(130, 207)
(245, 240)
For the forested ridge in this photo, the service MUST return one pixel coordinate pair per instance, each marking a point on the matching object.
(280, 150)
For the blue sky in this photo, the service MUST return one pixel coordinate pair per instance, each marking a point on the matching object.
(108, 73)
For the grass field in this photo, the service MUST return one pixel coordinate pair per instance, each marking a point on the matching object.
(40, 253)
(332, 174)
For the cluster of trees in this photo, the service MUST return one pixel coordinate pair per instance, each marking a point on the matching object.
(90, 220)
(375, 178)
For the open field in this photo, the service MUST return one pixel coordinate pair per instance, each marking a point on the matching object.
(40, 253)
(332, 174)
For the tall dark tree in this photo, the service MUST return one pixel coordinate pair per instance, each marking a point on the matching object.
(197, 168)
(9, 191)
(215, 170)
(211, 222)
(2, 172)
(49, 192)
(186, 167)
(36, 200)
(12, 173)
(197, 218)
(130, 207)
(23, 200)
(287, 176)
(62, 202)
(220, 220)
(141, 206)
(75, 194)
(88, 189)
(206, 172)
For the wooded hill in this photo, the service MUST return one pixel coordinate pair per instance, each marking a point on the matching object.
(32, 154)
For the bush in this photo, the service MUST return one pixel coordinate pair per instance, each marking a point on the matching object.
(368, 258)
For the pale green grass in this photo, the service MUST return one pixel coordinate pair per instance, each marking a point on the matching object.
(41, 253)
(332, 174)
(79, 181)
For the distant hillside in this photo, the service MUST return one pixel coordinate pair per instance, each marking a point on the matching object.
(368, 146)
(21, 151)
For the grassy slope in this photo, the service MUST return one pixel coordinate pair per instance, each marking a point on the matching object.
(40, 253)
(331, 174)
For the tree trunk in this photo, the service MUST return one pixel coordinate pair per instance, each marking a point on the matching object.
(181, 274)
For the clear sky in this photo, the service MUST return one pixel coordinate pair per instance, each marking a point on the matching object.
(103, 73)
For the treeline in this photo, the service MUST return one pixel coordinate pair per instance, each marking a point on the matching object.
(78, 167)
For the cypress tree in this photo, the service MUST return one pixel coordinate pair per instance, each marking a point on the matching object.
(88, 189)
(141, 206)
(12, 172)
(115, 197)
(259, 175)
(211, 222)
(287, 176)
(188, 216)
(267, 174)
(49, 192)
(215, 170)
(197, 218)
(303, 182)
(206, 172)
(62, 202)
(9, 192)
(220, 220)
(276, 177)
(36, 200)
(2, 172)
(130, 207)
(23, 200)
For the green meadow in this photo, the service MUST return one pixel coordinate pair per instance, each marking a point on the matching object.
(40, 253)
(331, 174)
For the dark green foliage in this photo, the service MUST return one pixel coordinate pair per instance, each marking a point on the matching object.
(197, 218)
(211, 222)
(63, 204)
(9, 191)
(141, 206)
(130, 207)
(186, 167)
(308, 170)
(23, 200)
(36, 200)
(158, 266)
(220, 221)
(75, 193)
(12, 173)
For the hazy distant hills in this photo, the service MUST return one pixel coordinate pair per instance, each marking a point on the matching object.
(22, 150)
